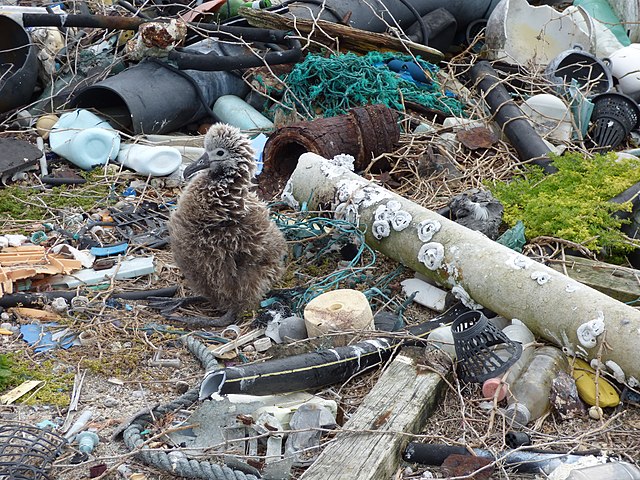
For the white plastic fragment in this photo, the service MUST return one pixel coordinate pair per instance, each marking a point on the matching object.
(617, 372)
(431, 255)
(425, 294)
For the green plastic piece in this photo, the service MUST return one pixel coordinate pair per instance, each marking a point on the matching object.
(514, 237)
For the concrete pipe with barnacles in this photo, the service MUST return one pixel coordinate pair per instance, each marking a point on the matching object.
(478, 270)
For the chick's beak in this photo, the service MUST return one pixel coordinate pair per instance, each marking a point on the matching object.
(194, 167)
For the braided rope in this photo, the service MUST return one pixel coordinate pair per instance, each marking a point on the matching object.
(180, 466)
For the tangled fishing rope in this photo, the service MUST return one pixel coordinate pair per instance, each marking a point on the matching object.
(318, 237)
(180, 466)
(335, 84)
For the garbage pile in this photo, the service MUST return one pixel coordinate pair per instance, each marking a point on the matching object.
(435, 202)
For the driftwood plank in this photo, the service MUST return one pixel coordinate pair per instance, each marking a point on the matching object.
(400, 401)
(618, 282)
(345, 37)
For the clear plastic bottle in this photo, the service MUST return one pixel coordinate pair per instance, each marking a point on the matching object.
(606, 471)
(529, 395)
(517, 332)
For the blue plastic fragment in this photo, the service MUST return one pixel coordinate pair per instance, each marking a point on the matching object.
(40, 335)
(109, 250)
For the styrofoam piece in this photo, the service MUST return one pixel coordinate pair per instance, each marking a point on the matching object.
(129, 268)
(427, 295)
(156, 161)
(521, 34)
(550, 116)
(338, 311)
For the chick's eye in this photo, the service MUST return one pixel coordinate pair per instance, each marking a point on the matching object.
(220, 152)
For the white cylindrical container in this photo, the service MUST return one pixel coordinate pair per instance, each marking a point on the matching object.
(156, 161)
(235, 111)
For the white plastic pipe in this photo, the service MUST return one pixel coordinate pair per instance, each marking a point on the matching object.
(478, 270)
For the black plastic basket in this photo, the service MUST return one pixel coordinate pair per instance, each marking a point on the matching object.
(27, 452)
(614, 116)
(474, 339)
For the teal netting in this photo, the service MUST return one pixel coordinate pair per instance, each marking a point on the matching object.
(316, 239)
(330, 86)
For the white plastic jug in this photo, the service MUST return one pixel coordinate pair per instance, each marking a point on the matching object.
(84, 139)
(156, 161)
(625, 67)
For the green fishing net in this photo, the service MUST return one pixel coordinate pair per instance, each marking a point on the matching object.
(330, 86)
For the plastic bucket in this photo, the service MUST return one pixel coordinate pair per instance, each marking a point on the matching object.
(18, 65)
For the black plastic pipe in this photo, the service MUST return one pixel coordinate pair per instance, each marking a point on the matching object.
(216, 63)
(32, 299)
(507, 114)
(82, 21)
(316, 369)
(522, 461)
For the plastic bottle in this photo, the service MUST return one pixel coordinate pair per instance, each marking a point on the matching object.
(157, 161)
(442, 338)
(235, 111)
(606, 471)
(529, 397)
(230, 7)
(518, 332)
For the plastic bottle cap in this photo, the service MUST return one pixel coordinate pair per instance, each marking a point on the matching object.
(490, 386)
(518, 413)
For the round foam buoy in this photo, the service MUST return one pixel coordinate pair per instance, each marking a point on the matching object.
(338, 311)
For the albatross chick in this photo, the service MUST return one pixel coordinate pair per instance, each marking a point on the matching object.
(222, 239)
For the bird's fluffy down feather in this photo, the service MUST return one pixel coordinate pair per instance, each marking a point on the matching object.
(221, 236)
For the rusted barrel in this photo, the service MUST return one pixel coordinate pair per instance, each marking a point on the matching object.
(364, 132)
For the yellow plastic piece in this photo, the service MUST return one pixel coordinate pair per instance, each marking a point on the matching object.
(585, 378)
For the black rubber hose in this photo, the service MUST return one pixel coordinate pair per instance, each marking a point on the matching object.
(508, 115)
(216, 63)
(31, 299)
(316, 369)
(523, 461)
(423, 27)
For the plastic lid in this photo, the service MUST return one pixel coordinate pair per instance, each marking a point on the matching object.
(518, 413)
(489, 388)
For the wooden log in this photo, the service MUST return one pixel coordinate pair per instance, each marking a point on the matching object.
(618, 282)
(339, 36)
(399, 402)
(478, 270)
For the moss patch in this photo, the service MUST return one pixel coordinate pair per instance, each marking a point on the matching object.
(58, 381)
(20, 203)
(572, 203)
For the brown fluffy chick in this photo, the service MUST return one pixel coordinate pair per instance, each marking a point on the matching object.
(221, 236)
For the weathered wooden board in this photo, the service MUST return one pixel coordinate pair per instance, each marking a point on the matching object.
(345, 37)
(618, 282)
(400, 402)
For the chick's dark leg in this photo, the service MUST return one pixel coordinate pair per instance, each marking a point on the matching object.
(225, 320)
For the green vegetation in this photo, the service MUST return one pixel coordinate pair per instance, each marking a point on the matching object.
(18, 369)
(572, 203)
(18, 202)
